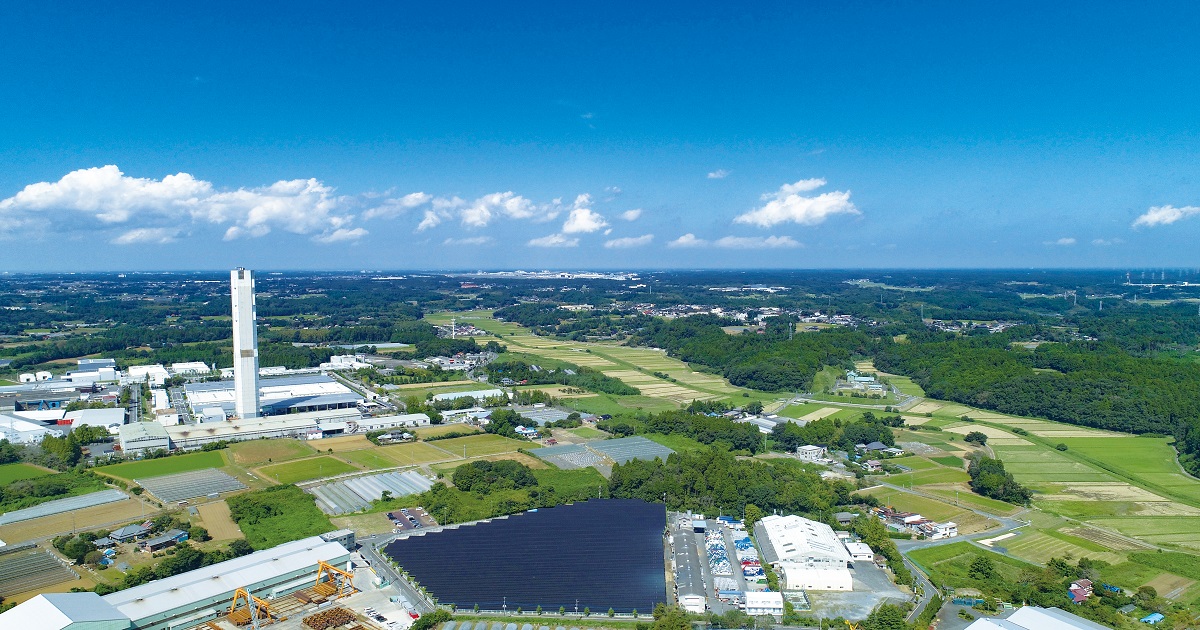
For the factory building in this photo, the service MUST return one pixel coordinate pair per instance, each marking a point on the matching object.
(764, 603)
(245, 344)
(143, 436)
(1036, 618)
(110, 418)
(185, 600)
(297, 425)
(391, 422)
(808, 554)
(19, 431)
(277, 396)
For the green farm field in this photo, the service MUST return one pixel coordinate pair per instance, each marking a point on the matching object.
(417, 453)
(13, 472)
(442, 429)
(367, 459)
(476, 445)
(165, 465)
(588, 433)
(304, 469)
(257, 452)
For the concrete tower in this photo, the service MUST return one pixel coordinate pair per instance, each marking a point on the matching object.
(245, 344)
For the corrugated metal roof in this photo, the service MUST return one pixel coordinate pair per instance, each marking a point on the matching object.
(217, 580)
(52, 611)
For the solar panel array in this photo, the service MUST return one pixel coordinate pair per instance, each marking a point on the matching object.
(615, 559)
(352, 495)
(188, 485)
(58, 506)
(623, 450)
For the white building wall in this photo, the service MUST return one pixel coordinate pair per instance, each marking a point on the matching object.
(245, 343)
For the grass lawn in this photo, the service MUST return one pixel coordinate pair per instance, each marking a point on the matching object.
(950, 564)
(416, 453)
(928, 508)
(589, 433)
(165, 465)
(476, 445)
(12, 472)
(256, 452)
(5, 383)
(905, 385)
(677, 443)
(312, 468)
(615, 405)
(442, 429)
(968, 498)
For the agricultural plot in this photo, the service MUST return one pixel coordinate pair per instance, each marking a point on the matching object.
(344, 443)
(257, 452)
(953, 409)
(823, 412)
(367, 459)
(968, 522)
(26, 571)
(1142, 459)
(352, 495)
(304, 469)
(927, 406)
(1037, 547)
(164, 465)
(115, 513)
(59, 506)
(913, 462)
(476, 445)
(14, 472)
(532, 462)
(1166, 531)
(442, 429)
(933, 476)
(800, 410)
(215, 517)
(995, 436)
(1033, 464)
(188, 485)
(416, 453)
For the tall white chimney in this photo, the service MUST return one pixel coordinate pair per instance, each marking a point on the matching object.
(245, 344)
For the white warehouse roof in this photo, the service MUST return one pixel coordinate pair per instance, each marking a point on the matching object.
(216, 580)
(55, 611)
(799, 539)
(1035, 618)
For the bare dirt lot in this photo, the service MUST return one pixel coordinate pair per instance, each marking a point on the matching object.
(215, 518)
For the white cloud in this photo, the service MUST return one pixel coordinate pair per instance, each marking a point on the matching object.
(632, 215)
(688, 240)
(554, 240)
(484, 209)
(787, 204)
(396, 207)
(341, 234)
(147, 235)
(629, 241)
(1103, 242)
(718, 174)
(1164, 215)
(473, 240)
(1064, 241)
(583, 220)
(108, 196)
(755, 242)
(432, 219)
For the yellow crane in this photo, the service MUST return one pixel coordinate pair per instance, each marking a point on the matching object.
(851, 626)
(335, 580)
(257, 611)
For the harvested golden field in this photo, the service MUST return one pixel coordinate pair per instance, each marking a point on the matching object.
(216, 519)
(118, 513)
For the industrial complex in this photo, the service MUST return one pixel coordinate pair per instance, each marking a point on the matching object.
(263, 579)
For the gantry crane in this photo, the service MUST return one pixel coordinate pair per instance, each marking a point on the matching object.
(256, 613)
(336, 581)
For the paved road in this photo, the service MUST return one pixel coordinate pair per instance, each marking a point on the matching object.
(383, 568)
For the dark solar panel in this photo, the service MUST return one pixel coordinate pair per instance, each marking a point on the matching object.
(604, 553)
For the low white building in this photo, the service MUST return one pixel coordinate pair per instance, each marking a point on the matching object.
(142, 436)
(155, 375)
(110, 418)
(391, 422)
(808, 554)
(1035, 618)
(190, 368)
(20, 431)
(478, 394)
(860, 552)
(810, 453)
(346, 362)
(764, 603)
(693, 603)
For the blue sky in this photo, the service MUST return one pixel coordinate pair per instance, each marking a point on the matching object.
(614, 135)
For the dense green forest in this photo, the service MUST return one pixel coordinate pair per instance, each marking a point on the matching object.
(566, 374)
